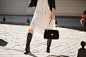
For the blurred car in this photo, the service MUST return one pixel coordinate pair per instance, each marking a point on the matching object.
(83, 20)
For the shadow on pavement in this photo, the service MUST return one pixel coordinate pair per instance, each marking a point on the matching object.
(32, 55)
(49, 55)
(57, 56)
(3, 43)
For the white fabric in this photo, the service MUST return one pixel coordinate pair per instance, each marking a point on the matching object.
(41, 17)
(52, 24)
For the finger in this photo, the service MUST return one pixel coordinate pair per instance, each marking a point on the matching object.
(52, 17)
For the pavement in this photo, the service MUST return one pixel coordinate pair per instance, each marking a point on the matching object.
(13, 41)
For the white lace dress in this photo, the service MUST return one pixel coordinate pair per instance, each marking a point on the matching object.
(41, 17)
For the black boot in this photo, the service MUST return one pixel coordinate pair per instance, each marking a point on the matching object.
(48, 45)
(48, 49)
(27, 49)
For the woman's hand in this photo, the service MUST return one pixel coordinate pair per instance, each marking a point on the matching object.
(52, 16)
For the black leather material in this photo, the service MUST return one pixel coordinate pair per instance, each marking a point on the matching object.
(27, 49)
(51, 3)
(33, 3)
(51, 34)
(48, 45)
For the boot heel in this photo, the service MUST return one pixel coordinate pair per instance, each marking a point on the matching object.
(48, 49)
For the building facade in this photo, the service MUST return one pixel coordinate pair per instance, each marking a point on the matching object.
(63, 7)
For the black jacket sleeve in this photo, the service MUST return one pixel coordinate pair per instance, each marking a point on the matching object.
(53, 4)
(33, 3)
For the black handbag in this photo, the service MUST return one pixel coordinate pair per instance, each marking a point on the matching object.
(51, 34)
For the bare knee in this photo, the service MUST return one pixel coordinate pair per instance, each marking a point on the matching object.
(31, 31)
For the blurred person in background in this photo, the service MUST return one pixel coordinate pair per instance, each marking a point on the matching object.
(83, 20)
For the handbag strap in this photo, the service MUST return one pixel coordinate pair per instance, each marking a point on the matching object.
(49, 24)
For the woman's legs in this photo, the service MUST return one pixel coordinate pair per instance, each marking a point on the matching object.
(29, 37)
(31, 31)
(48, 45)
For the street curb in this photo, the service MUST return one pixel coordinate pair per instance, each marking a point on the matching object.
(3, 22)
(14, 23)
(70, 27)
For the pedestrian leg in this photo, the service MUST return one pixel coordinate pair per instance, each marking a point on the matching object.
(29, 37)
(48, 45)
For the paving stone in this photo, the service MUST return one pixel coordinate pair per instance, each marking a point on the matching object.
(5, 55)
(19, 56)
(67, 44)
(13, 52)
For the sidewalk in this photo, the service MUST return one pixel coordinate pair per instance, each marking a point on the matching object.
(4, 52)
(15, 36)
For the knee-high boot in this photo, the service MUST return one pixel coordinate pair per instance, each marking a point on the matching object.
(27, 49)
(48, 45)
